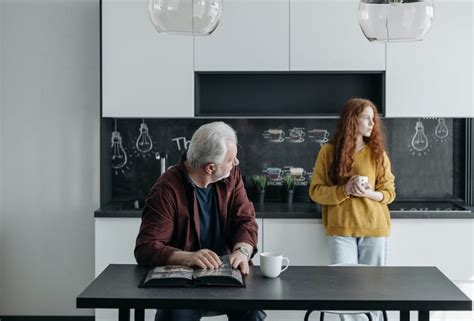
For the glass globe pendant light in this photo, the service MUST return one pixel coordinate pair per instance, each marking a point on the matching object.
(185, 17)
(395, 20)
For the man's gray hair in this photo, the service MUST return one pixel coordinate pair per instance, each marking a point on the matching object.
(209, 144)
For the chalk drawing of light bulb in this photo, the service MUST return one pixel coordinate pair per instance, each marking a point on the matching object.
(441, 130)
(119, 156)
(419, 141)
(144, 143)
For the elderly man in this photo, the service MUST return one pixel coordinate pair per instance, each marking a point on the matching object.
(197, 211)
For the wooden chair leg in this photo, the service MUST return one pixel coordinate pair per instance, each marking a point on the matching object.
(321, 317)
(369, 316)
(385, 317)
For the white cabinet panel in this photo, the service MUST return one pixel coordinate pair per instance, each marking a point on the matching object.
(144, 73)
(434, 77)
(303, 241)
(325, 35)
(252, 35)
(115, 241)
(446, 244)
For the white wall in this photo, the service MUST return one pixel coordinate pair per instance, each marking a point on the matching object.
(50, 148)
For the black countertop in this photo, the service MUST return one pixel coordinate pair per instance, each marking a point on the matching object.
(300, 211)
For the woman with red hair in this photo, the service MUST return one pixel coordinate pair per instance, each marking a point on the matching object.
(355, 212)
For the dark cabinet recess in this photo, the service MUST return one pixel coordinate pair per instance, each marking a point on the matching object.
(270, 94)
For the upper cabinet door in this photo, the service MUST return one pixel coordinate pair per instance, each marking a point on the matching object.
(252, 36)
(433, 78)
(325, 35)
(144, 73)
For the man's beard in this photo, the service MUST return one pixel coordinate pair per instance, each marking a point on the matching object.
(218, 176)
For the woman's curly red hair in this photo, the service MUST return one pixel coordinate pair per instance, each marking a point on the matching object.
(344, 140)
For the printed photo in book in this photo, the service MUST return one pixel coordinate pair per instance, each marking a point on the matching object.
(177, 275)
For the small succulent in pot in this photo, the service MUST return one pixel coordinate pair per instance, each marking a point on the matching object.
(259, 182)
(289, 187)
(289, 183)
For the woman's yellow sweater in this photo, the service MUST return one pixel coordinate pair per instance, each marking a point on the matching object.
(345, 215)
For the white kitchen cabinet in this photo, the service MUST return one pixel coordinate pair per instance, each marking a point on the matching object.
(114, 241)
(252, 35)
(325, 35)
(144, 73)
(434, 77)
(444, 243)
(303, 241)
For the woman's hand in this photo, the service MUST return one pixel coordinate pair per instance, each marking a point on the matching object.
(361, 189)
(365, 190)
(349, 186)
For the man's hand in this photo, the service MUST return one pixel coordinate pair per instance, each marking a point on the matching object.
(239, 260)
(205, 259)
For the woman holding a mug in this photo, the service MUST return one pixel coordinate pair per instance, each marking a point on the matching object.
(353, 182)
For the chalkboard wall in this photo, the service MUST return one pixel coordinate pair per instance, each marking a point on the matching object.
(267, 146)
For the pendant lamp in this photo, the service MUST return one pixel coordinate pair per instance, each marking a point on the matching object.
(185, 17)
(395, 20)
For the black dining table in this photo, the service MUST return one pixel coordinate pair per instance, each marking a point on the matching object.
(403, 289)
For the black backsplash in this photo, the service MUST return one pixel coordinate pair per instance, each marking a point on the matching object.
(437, 172)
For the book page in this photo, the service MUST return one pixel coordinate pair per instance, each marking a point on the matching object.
(170, 272)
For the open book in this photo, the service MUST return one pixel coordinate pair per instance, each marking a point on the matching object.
(178, 275)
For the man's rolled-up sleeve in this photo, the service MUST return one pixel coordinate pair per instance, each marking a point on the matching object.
(156, 229)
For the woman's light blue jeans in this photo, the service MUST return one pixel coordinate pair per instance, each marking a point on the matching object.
(358, 250)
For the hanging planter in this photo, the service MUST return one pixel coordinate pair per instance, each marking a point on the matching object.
(395, 20)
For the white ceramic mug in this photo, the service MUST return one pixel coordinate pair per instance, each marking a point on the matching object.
(364, 181)
(271, 264)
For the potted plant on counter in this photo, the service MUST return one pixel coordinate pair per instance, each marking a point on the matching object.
(289, 187)
(259, 183)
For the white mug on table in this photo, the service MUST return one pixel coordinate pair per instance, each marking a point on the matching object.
(271, 264)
